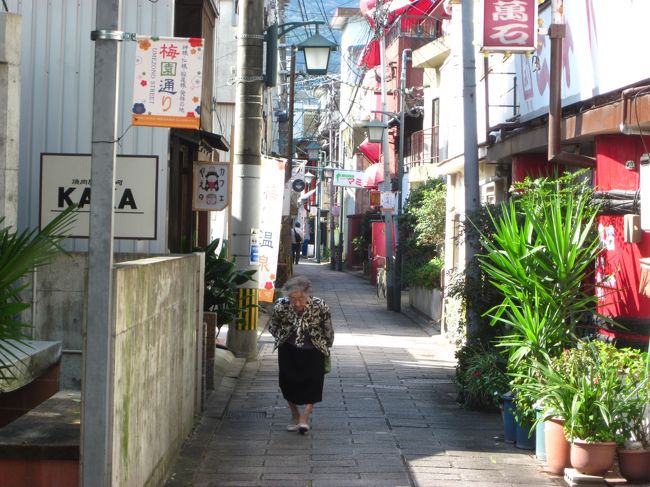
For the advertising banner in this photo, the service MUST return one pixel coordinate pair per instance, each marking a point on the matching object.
(167, 82)
(65, 181)
(268, 236)
(509, 25)
(349, 179)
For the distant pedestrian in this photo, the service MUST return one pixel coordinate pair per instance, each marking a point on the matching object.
(296, 240)
(302, 327)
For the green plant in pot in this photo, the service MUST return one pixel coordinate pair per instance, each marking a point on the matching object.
(539, 257)
(222, 280)
(633, 417)
(20, 253)
(594, 388)
(480, 377)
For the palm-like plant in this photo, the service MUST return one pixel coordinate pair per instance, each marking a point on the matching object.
(540, 256)
(222, 280)
(20, 253)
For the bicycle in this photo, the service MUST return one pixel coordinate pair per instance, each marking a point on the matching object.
(381, 279)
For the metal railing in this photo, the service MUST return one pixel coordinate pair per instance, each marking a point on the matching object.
(425, 28)
(423, 148)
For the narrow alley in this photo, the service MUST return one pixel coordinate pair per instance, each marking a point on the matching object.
(388, 417)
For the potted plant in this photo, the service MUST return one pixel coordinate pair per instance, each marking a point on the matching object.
(222, 280)
(591, 388)
(633, 421)
(480, 377)
(20, 252)
(539, 257)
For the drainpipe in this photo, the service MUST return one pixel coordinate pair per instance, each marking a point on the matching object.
(624, 127)
(556, 33)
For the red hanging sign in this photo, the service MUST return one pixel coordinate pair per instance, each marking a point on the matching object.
(509, 25)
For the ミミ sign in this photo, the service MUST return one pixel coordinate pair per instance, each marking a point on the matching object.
(65, 181)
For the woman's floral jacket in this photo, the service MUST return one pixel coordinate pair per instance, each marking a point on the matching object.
(316, 320)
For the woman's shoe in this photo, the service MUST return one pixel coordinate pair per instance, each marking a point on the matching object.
(303, 428)
(292, 427)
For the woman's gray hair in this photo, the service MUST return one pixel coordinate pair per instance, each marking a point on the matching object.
(298, 283)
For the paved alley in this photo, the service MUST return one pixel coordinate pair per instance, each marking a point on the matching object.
(388, 417)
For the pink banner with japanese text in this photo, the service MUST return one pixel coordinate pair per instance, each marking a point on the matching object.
(509, 25)
(272, 194)
(167, 82)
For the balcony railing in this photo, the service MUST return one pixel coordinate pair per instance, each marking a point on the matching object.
(425, 28)
(423, 148)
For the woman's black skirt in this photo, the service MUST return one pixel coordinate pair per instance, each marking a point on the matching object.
(301, 374)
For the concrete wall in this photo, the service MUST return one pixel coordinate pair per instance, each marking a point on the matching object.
(10, 31)
(58, 309)
(158, 352)
(427, 301)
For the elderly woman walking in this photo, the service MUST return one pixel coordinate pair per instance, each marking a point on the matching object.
(302, 327)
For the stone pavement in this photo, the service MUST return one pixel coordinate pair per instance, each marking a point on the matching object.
(388, 416)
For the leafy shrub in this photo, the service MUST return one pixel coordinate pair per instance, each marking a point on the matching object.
(427, 275)
(480, 376)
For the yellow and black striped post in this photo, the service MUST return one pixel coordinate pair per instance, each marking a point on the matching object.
(248, 316)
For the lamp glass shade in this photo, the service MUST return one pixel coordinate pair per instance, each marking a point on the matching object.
(375, 130)
(313, 150)
(317, 53)
(309, 177)
(328, 172)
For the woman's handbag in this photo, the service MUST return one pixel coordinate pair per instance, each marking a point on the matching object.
(327, 364)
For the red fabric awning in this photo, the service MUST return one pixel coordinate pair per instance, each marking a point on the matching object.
(374, 175)
(370, 57)
(371, 150)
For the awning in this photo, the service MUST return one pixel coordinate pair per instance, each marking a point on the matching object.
(306, 195)
(374, 175)
(203, 137)
(371, 150)
(371, 56)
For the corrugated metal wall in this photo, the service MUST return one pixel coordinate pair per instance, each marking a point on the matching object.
(57, 93)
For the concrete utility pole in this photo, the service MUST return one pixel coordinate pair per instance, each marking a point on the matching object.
(397, 301)
(247, 164)
(386, 184)
(99, 346)
(472, 202)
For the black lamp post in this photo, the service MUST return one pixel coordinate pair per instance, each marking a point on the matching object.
(313, 152)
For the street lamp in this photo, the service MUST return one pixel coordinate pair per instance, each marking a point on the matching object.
(377, 133)
(313, 153)
(376, 130)
(316, 50)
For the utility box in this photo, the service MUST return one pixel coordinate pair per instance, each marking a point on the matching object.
(644, 190)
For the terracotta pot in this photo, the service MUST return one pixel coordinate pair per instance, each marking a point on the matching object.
(634, 465)
(558, 448)
(592, 458)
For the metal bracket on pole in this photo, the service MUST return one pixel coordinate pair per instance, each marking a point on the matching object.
(112, 35)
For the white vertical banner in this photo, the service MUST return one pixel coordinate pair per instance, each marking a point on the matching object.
(272, 189)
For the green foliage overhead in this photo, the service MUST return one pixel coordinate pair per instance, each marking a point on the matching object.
(20, 253)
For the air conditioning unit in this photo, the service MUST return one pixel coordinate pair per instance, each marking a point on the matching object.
(493, 191)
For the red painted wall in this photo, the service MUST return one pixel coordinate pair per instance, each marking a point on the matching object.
(532, 165)
(619, 265)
